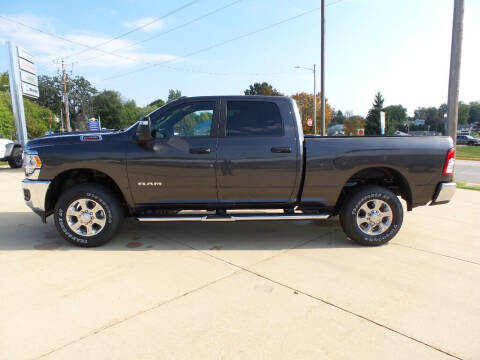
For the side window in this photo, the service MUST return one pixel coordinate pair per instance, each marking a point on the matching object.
(190, 119)
(253, 118)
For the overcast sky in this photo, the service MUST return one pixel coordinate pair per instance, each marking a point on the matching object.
(400, 47)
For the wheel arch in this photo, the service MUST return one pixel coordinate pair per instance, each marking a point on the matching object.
(385, 176)
(72, 177)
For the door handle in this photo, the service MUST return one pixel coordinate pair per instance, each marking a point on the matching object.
(278, 150)
(200, 150)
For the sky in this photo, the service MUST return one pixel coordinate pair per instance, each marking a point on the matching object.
(398, 47)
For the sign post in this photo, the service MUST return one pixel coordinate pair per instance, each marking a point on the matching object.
(22, 77)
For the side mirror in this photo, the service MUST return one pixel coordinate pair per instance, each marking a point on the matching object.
(144, 130)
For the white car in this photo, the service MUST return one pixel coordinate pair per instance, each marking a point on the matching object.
(12, 152)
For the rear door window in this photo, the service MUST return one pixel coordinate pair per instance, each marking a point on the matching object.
(253, 118)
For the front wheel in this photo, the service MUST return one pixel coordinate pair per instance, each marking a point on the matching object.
(372, 215)
(88, 215)
(16, 161)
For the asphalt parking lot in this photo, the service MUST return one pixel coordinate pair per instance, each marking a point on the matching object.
(260, 290)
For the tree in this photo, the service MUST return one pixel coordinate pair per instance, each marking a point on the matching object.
(352, 124)
(80, 99)
(372, 124)
(129, 114)
(36, 117)
(262, 89)
(474, 112)
(395, 118)
(108, 105)
(50, 91)
(80, 96)
(173, 94)
(159, 102)
(305, 106)
(7, 129)
(463, 113)
(4, 81)
(338, 118)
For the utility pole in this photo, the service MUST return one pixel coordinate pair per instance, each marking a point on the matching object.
(315, 97)
(66, 112)
(454, 78)
(322, 65)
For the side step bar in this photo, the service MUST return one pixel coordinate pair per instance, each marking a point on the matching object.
(236, 217)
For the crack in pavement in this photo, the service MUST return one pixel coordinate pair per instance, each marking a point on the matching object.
(436, 253)
(323, 300)
(246, 269)
(156, 306)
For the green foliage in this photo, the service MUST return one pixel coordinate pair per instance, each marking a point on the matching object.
(372, 124)
(474, 114)
(338, 118)
(7, 129)
(305, 107)
(50, 89)
(463, 113)
(129, 114)
(173, 94)
(262, 89)
(4, 81)
(352, 124)
(36, 117)
(108, 105)
(395, 118)
(158, 103)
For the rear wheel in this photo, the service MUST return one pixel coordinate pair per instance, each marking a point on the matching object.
(371, 215)
(15, 161)
(88, 215)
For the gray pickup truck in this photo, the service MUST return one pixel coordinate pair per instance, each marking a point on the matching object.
(206, 158)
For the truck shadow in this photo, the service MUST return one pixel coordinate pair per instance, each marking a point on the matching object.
(24, 231)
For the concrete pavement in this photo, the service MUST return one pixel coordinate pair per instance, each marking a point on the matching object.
(263, 290)
(467, 171)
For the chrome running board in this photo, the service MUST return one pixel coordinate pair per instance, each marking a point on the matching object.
(236, 217)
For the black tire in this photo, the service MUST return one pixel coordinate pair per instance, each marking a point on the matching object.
(16, 161)
(471, 143)
(364, 196)
(94, 194)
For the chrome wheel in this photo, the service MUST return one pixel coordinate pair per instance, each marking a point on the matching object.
(374, 217)
(86, 217)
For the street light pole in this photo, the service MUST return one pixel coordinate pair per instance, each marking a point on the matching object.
(322, 66)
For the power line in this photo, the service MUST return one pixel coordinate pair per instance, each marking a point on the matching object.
(224, 42)
(167, 31)
(135, 29)
(42, 31)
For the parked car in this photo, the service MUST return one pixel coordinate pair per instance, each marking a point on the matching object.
(467, 140)
(251, 154)
(11, 152)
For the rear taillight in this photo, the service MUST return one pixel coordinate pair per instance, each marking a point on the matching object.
(449, 162)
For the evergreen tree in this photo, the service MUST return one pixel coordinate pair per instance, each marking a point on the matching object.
(372, 124)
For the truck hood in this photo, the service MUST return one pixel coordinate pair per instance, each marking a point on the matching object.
(67, 138)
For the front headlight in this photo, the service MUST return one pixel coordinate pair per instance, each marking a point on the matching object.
(32, 162)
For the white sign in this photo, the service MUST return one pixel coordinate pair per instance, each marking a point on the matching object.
(27, 66)
(382, 122)
(28, 78)
(30, 90)
(24, 54)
